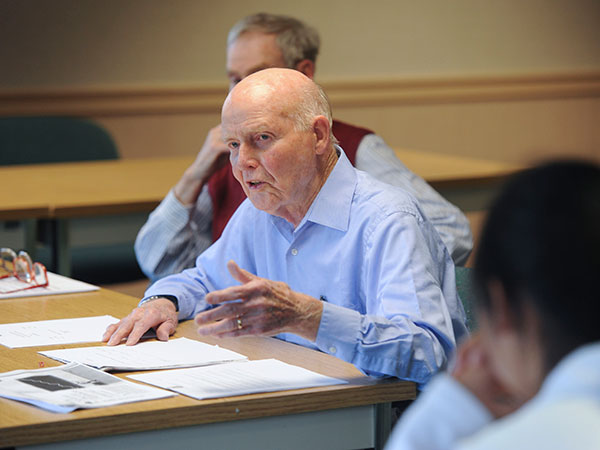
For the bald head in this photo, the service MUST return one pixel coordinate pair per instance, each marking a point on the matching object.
(277, 125)
(286, 92)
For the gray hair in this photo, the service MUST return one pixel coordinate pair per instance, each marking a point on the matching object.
(310, 107)
(296, 40)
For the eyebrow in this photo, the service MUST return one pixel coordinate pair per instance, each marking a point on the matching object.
(259, 128)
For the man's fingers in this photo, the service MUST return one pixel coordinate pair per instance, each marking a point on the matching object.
(165, 330)
(122, 331)
(109, 331)
(221, 312)
(239, 292)
(243, 276)
(137, 332)
(223, 328)
(140, 320)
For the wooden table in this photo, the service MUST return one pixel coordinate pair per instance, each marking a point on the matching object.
(129, 185)
(89, 188)
(469, 183)
(67, 190)
(355, 415)
(63, 191)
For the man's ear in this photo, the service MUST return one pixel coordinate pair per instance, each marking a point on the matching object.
(307, 67)
(321, 129)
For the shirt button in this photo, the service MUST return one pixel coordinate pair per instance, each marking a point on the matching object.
(294, 251)
(332, 350)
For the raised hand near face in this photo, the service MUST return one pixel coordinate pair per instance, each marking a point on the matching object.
(213, 155)
(474, 371)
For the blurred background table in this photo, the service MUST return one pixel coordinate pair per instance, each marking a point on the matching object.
(119, 189)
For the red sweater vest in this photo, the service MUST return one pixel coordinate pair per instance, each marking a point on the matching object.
(227, 194)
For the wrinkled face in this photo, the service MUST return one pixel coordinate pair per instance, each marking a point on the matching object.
(251, 52)
(275, 164)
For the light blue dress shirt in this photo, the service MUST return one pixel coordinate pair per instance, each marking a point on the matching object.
(174, 235)
(565, 413)
(365, 249)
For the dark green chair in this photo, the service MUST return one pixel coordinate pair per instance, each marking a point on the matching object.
(466, 292)
(36, 140)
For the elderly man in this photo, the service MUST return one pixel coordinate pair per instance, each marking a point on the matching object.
(320, 254)
(195, 212)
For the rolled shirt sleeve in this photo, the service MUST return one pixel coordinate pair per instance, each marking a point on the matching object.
(174, 235)
(378, 159)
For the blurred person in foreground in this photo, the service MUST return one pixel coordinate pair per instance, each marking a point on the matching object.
(320, 254)
(197, 209)
(530, 379)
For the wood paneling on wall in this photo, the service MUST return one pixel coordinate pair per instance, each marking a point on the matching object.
(133, 100)
(518, 118)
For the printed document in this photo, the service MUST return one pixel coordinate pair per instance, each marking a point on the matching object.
(67, 388)
(57, 284)
(54, 332)
(174, 353)
(239, 378)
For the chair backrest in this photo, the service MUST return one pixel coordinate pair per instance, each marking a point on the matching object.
(466, 292)
(32, 140)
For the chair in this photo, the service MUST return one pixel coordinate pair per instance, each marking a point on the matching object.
(36, 140)
(464, 287)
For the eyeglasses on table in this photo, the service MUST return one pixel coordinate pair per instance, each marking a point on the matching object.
(20, 267)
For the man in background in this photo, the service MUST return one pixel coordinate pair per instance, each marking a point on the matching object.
(194, 213)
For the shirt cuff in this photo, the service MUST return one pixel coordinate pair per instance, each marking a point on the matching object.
(166, 286)
(174, 213)
(338, 331)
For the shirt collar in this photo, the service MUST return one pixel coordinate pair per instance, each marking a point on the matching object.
(331, 207)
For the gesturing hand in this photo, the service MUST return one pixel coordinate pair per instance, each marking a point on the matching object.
(259, 307)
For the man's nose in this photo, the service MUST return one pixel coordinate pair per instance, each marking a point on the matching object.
(246, 157)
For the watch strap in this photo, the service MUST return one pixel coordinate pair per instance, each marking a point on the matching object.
(171, 298)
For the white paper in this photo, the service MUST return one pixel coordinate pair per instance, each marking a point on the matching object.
(57, 284)
(66, 388)
(55, 332)
(224, 380)
(174, 353)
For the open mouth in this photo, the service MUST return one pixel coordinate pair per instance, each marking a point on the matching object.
(254, 184)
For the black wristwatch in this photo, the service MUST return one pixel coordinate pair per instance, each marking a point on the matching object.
(171, 298)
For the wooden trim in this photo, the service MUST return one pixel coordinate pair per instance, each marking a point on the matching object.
(135, 100)
(463, 89)
(118, 101)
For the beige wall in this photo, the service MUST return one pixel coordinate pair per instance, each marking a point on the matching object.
(73, 49)
(106, 42)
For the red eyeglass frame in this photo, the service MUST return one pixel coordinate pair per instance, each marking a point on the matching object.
(23, 260)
